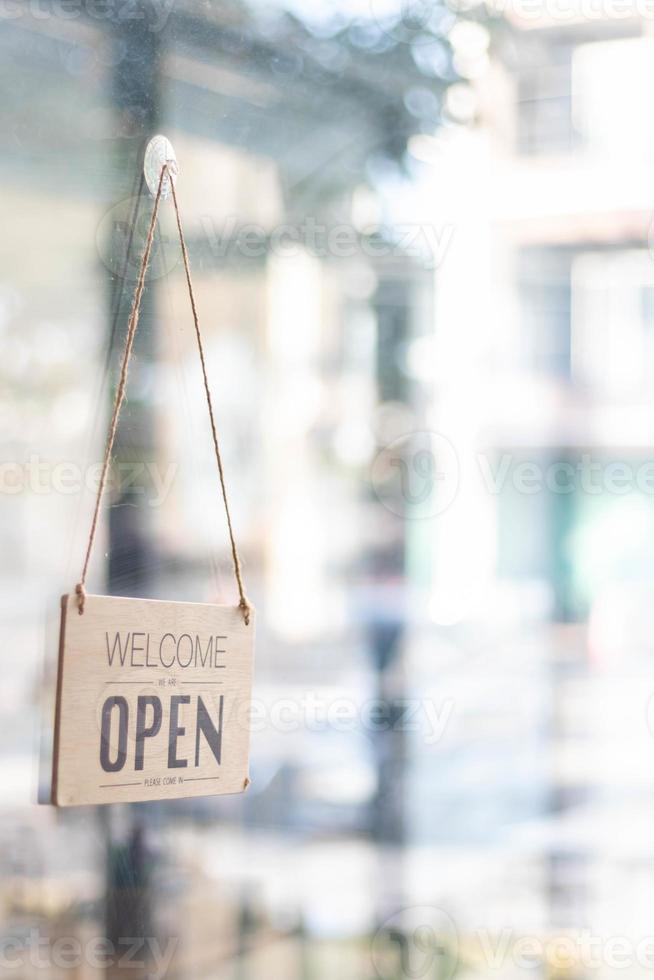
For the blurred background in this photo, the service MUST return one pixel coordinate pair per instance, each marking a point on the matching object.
(420, 237)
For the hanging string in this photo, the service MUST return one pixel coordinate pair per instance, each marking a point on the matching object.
(243, 602)
(132, 324)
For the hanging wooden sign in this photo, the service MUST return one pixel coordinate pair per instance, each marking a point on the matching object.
(153, 698)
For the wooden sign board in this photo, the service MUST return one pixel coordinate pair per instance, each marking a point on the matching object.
(153, 701)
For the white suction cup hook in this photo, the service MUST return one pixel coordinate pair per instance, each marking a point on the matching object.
(158, 153)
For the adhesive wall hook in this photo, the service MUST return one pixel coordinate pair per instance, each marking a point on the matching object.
(158, 153)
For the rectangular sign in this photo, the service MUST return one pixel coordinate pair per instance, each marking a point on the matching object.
(153, 701)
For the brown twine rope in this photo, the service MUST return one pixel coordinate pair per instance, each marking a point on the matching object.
(80, 590)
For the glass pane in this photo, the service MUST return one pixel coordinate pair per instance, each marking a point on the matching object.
(421, 251)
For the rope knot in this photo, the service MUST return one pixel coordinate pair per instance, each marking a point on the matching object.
(245, 608)
(80, 592)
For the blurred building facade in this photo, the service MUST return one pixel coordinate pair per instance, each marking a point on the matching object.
(551, 414)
